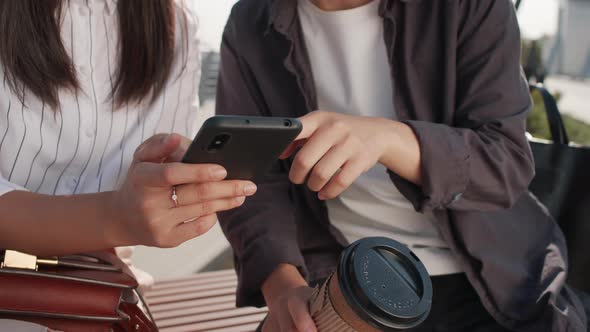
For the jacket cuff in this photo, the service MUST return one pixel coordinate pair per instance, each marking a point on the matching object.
(263, 257)
(444, 167)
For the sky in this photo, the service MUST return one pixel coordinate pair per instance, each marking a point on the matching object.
(537, 18)
(212, 16)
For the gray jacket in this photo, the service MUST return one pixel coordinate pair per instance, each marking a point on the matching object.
(456, 65)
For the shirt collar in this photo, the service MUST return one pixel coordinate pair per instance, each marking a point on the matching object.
(282, 12)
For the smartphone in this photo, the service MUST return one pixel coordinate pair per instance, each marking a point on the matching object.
(245, 145)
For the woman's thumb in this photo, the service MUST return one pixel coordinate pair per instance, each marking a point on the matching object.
(157, 148)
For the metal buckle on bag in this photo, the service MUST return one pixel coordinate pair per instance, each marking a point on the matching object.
(18, 260)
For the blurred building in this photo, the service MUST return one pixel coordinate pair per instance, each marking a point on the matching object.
(210, 61)
(569, 51)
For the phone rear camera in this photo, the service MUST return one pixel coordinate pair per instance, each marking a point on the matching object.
(218, 142)
(287, 123)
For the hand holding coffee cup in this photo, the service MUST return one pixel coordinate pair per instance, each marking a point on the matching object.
(380, 285)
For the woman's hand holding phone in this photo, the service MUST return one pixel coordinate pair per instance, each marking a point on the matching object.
(147, 213)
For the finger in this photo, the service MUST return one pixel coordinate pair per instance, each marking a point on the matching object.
(185, 213)
(315, 148)
(341, 181)
(172, 174)
(292, 148)
(199, 192)
(193, 228)
(310, 124)
(180, 151)
(285, 321)
(300, 315)
(156, 148)
(328, 166)
(270, 324)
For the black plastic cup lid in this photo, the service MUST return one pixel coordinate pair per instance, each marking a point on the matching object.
(385, 283)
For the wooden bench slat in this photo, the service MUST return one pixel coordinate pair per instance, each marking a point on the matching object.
(203, 275)
(203, 302)
(191, 282)
(193, 303)
(189, 296)
(211, 316)
(193, 289)
(239, 328)
(195, 310)
(219, 324)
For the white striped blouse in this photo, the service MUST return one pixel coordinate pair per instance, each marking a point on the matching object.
(87, 146)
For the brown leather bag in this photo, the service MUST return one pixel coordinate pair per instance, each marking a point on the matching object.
(89, 292)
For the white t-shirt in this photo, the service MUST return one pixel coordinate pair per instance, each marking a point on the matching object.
(352, 76)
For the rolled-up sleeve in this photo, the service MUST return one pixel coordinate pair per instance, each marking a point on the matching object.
(263, 231)
(483, 160)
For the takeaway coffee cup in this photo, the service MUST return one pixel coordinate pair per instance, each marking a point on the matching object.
(380, 285)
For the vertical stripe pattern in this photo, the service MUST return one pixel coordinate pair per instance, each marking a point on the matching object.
(77, 107)
(110, 72)
(95, 102)
(323, 313)
(40, 145)
(86, 145)
(22, 141)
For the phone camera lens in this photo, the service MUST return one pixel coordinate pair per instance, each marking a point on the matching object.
(218, 142)
(287, 123)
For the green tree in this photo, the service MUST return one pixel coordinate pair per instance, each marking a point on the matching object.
(578, 131)
(537, 125)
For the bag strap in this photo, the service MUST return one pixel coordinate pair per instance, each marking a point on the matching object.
(554, 118)
(145, 305)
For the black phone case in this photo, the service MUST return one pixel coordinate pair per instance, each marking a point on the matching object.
(254, 144)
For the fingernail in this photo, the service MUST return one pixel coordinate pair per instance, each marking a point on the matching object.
(322, 196)
(250, 189)
(167, 139)
(219, 173)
